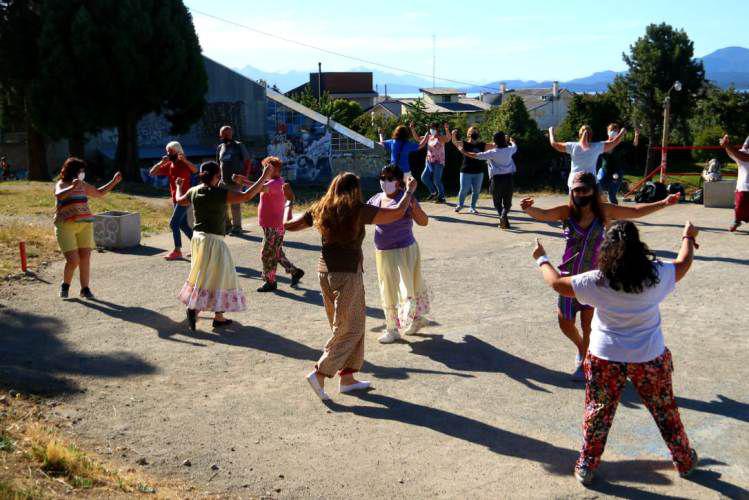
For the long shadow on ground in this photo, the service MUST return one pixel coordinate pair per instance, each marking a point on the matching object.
(668, 254)
(297, 245)
(34, 360)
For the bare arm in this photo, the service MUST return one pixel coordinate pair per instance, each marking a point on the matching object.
(180, 196)
(156, 167)
(190, 165)
(454, 138)
(683, 261)
(561, 285)
(412, 128)
(732, 151)
(233, 198)
(609, 145)
(298, 223)
(420, 217)
(558, 213)
(444, 139)
(95, 192)
(423, 141)
(640, 210)
(62, 192)
(559, 146)
(388, 215)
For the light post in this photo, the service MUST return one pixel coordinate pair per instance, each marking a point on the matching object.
(666, 117)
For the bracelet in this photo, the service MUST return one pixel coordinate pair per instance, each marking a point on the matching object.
(542, 260)
(691, 238)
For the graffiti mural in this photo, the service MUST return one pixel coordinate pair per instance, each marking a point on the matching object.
(303, 144)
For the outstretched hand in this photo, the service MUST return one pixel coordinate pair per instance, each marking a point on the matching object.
(690, 230)
(725, 141)
(411, 185)
(117, 177)
(179, 181)
(526, 203)
(538, 249)
(672, 199)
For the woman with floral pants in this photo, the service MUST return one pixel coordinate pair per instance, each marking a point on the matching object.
(626, 340)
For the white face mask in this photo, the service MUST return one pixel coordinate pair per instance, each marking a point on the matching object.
(389, 187)
(613, 133)
(433, 131)
(81, 176)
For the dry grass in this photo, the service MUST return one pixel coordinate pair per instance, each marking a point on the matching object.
(39, 460)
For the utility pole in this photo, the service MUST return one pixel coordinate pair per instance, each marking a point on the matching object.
(664, 139)
(319, 82)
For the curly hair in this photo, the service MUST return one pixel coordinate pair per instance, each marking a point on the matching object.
(336, 215)
(625, 261)
(71, 167)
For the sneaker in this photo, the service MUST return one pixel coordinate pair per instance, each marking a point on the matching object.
(416, 325)
(389, 337)
(86, 293)
(440, 199)
(458, 208)
(579, 374)
(192, 319)
(695, 463)
(174, 255)
(431, 196)
(64, 290)
(734, 226)
(268, 287)
(219, 323)
(584, 476)
(319, 391)
(504, 223)
(296, 276)
(358, 386)
(472, 211)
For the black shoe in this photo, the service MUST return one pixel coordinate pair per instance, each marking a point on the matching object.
(431, 196)
(235, 231)
(86, 293)
(504, 223)
(64, 290)
(220, 323)
(192, 319)
(440, 199)
(268, 287)
(296, 276)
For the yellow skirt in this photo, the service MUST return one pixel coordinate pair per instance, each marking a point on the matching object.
(405, 295)
(212, 284)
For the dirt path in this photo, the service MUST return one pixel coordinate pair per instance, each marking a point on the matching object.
(479, 405)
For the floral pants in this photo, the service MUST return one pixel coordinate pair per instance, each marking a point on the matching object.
(272, 254)
(652, 380)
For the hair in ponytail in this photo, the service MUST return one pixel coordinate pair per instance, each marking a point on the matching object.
(208, 170)
(625, 261)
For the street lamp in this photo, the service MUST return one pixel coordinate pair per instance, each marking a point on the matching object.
(666, 117)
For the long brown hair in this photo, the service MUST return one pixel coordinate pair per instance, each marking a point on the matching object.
(626, 262)
(71, 167)
(595, 202)
(336, 214)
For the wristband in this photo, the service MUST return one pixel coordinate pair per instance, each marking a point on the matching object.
(691, 238)
(542, 260)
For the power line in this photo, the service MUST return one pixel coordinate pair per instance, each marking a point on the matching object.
(339, 54)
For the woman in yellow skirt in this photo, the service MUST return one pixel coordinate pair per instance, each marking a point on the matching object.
(212, 284)
(405, 298)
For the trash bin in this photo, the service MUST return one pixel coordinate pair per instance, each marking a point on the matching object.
(117, 229)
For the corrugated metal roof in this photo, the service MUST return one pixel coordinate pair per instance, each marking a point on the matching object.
(441, 91)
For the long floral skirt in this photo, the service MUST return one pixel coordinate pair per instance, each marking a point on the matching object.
(212, 284)
(405, 296)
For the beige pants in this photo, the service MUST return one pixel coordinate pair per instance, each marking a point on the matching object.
(236, 208)
(343, 296)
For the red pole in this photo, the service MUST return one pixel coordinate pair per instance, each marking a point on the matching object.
(22, 250)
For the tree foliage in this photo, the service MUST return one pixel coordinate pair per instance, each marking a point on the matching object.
(343, 111)
(597, 111)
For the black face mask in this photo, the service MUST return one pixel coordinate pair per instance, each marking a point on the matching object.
(582, 201)
(474, 135)
(172, 156)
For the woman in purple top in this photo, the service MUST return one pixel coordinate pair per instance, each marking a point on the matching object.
(584, 218)
(405, 297)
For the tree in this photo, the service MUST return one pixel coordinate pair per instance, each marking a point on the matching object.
(597, 111)
(343, 111)
(656, 60)
(20, 26)
(108, 63)
(725, 109)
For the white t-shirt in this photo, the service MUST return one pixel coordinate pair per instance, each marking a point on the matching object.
(742, 179)
(626, 326)
(499, 160)
(583, 160)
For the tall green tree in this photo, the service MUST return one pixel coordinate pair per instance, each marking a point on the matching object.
(597, 110)
(108, 63)
(20, 25)
(656, 60)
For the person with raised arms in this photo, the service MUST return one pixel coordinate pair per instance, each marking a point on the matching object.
(584, 218)
(584, 153)
(741, 198)
(341, 216)
(435, 161)
(399, 147)
(472, 169)
(627, 339)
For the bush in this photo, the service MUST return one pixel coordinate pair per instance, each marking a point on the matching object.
(709, 136)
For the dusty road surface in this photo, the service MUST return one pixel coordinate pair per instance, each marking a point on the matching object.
(479, 405)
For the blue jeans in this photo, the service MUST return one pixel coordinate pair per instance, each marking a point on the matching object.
(177, 222)
(432, 178)
(473, 183)
(609, 186)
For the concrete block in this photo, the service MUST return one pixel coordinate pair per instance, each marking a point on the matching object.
(719, 194)
(117, 229)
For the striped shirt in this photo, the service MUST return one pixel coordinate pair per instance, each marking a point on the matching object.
(74, 207)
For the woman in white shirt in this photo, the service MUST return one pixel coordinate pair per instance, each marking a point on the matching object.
(741, 200)
(626, 340)
(584, 153)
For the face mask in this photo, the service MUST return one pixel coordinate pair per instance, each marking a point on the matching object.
(172, 156)
(474, 135)
(612, 134)
(388, 186)
(582, 201)
(433, 131)
(81, 176)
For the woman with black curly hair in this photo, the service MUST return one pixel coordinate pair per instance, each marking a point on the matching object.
(626, 341)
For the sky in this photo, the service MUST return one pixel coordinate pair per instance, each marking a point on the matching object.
(476, 42)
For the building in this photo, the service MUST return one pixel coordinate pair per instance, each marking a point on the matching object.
(548, 106)
(437, 100)
(353, 85)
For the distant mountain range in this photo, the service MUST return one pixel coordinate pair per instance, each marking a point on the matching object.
(724, 67)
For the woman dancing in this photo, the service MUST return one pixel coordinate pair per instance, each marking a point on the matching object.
(741, 199)
(212, 284)
(74, 222)
(584, 219)
(340, 217)
(584, 153)
(472, 169)
(435, 162)
(405, 298)
(176, 166)
(627, 340)
(399, 148)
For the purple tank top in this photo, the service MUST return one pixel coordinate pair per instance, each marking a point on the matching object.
(581, 248)
(398, 234)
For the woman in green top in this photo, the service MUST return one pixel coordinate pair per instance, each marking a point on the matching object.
(212, 284)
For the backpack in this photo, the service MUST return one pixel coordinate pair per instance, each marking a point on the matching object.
(651, 192)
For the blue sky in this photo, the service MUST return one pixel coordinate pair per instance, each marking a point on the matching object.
(476, 41)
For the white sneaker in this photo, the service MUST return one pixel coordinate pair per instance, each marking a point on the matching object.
(458, 208)
(312, 379)
(416, 325)
(472, 211)
(389, 337)
(359, 386)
